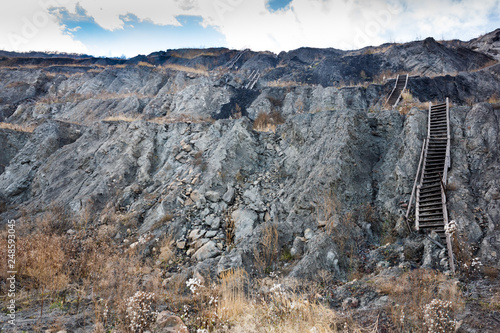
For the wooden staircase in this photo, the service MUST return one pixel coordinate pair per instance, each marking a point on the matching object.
(431, 213)
(430, 208)
(396, 93)
(252, 79)
(231, 63)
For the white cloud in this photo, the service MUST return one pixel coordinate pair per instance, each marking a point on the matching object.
(248, 23)
(28, 26)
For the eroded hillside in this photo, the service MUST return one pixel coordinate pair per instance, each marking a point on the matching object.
(284, 166)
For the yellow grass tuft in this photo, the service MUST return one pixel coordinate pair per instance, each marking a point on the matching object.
(267, 122)
(199, 69)
(18, 128)
(125, 118)
(282, 84)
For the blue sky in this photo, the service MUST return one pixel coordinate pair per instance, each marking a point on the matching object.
(131, 27)
(138, 34)
(275, 5)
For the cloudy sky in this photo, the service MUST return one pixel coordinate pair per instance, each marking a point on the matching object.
(130, 27)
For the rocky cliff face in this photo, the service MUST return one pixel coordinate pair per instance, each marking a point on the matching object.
(167, 142)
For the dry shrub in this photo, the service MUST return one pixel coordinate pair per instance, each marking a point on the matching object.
(167, 252)
(109, 274)
(281, 310)
(275, 102)
(267, 122)
(267, 251)
(18, 128)
(237, 113)
(233, 301)
(230, 230)
(41, 265)
(342, 228)
(494, 99)
(411, 292)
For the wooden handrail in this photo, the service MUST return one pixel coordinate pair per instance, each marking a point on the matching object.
(393, 90)
(447, 162)
(448, 236)
(416, 180)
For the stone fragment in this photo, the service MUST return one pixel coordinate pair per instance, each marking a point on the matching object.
(213, 196)
(207, 251)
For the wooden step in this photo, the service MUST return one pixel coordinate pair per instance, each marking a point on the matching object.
(431, 181)
(430, 197)
(434, 221)
(427, 214)
(424, 225)
(434, 175)
(430, 190)
(436, 159)
(428, 206)
(431, 200)
(423, 211)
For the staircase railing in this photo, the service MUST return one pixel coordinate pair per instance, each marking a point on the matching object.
(402, 91)
(393, 90)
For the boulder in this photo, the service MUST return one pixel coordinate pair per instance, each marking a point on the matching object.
(213, 196)
(207, 251)
(244, 223)
(167, 322)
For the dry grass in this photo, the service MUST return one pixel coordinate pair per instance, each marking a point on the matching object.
(283, 84)
(195, 53)
(182, 118)
(89, 267)
(267, 122)
(233, 301)
(486, 65)
(126, 118)
(167, 251)
(145, 64)
(407, 103)
(18, 128)
(267, 252)
(286, 309)
(494, 99)
(413, 291)
(199, 69)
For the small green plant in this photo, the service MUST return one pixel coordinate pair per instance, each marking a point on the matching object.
(286, 255)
